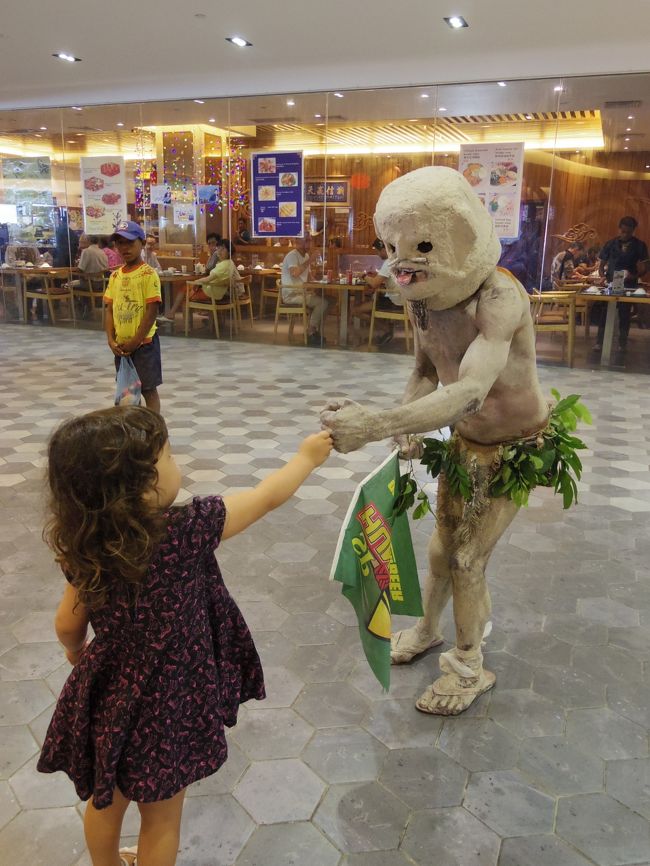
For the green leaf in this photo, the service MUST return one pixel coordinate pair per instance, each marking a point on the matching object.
(421, 510)
(556, 394)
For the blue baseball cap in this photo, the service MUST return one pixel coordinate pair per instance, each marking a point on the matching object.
(129, 230)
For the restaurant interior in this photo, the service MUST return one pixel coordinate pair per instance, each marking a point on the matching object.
(586, 164)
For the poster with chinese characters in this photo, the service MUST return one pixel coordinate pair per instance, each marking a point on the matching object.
(183, 214)
(103, 186)
(496, 173)
(277, 181)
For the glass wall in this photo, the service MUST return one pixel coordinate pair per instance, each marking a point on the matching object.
(183, 171)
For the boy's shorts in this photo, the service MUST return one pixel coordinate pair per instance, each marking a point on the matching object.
(148, 364)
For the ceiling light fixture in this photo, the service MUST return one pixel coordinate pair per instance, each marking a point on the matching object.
(627, 139)
(630, 117)
(424, 96)
(119, 124)
(628, 129)
(626, 148)
(70, 58)
(558, 88)
(502, 84)
(43, 128)
(318, 115)
(212, 119)
(199, 101)
(456, 22)
(239, 41)
(290, 103)
(338, 95)
(77, 108)
(442, 108)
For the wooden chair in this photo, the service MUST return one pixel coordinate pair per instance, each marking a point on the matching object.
(268, 291)
(292, 310)
(555, 312)
(391, 315)
(9, 288)
(211, 305)
(245, 300)
(91, 286)
(50, 293)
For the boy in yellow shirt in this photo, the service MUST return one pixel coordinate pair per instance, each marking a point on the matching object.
(132, 297)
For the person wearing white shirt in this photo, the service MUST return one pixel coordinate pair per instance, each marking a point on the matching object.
(295, 273)
(149, 256)
(380, 283)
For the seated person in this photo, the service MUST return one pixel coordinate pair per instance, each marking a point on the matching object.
(92, 262)
(114, 259)
(386, 300)
(17, 252)
(213, 241)
(587, 264)
(217, 284)
(295, 273)
(243, 235)
(149, 256)
(565, 261)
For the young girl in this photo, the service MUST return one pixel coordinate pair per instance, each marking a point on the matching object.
(142, 714)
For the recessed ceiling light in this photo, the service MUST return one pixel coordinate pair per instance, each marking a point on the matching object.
(318, 115)
(558, 88)
(424, 96)
(239, 41)
(626, 148)
(199, 101)
(212, 119)
(338, 95)
(442, 108)
(77, 108)
(627, 139)
(43, 128)
(456, 22)
(502, 84)
(628, 129)
(630, 117)
(290, 103)
(71, 141)
(38, 135)
(529, 117)
(647, 166)
(119, 124)
(78, 134)
(62, 55)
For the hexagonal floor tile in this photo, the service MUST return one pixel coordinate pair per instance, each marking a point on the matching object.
(609, 735)
(479, 745)
(539, 851)
(326, 705)
(424, 776)
(21, 702)
(288, 845)
(506, 802)
(30, 661)
(274, 792)
(559, 768)
(342, 755)
(282, 688)
(450, 837)
(17, 745)
(603, 829)
(213, 830)
(48, 836)
(525, 713)
(275, 733)
(361, 818)
(629, 783)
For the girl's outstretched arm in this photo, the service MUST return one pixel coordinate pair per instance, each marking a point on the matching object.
(71, 624)
(243, 509)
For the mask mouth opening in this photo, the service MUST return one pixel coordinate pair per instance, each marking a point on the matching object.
(408, 276)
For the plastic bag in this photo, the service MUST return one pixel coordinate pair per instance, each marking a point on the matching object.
(128, 388)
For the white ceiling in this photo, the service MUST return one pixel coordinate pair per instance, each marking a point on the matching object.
(160, 50)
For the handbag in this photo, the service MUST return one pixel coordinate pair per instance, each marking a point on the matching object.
(128, 387)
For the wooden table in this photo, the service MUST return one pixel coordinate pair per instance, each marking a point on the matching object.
(610, 320)
(343, 290)
(167, 281)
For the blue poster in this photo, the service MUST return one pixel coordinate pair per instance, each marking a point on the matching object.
(277, 194)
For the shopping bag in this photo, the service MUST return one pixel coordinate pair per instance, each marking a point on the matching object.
(128, 388)
(374, 561)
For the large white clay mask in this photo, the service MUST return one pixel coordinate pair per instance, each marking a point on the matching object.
(440, 239)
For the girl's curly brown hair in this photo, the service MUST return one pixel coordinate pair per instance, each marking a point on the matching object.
(100, 466)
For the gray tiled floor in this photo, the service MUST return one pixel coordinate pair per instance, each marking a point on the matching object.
(549, 769)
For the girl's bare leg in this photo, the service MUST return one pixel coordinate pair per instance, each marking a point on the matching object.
(160, 831)
(102, 828)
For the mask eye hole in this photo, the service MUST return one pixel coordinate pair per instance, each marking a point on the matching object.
(425, 247)
(391, 248)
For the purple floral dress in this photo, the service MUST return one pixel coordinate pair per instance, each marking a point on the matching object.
(145, 708)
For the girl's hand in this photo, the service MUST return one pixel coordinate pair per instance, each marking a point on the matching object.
(73, 657)
(317, 447)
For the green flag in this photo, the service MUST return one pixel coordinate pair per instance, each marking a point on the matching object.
(374, 561)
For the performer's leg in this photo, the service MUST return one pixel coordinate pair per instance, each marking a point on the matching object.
(405, 645)
(463, 678)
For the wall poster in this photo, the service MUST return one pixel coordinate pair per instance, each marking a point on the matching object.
(103, 185)
(277, 181)
(496, 173)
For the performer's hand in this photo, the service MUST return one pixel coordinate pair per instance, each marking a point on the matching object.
(410, 446)
(350, 424)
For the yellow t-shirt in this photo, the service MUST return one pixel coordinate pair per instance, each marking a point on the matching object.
(129, 293)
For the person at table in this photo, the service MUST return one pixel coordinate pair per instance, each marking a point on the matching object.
(295, 273)
(114, 259)
(243, 235)
(92, 264)
(386, 300)
(564, 263)
(67, 243)
(218, 284)
(25, 253)
(626, 253)
(149, 256)
(212, 240)
(587, 263)
(84, 243)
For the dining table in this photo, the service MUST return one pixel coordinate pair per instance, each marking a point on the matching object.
(343, 291)
(611, 319)
(169, 280)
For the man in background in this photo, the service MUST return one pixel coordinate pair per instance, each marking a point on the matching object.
(149, 256)
(295, 273)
